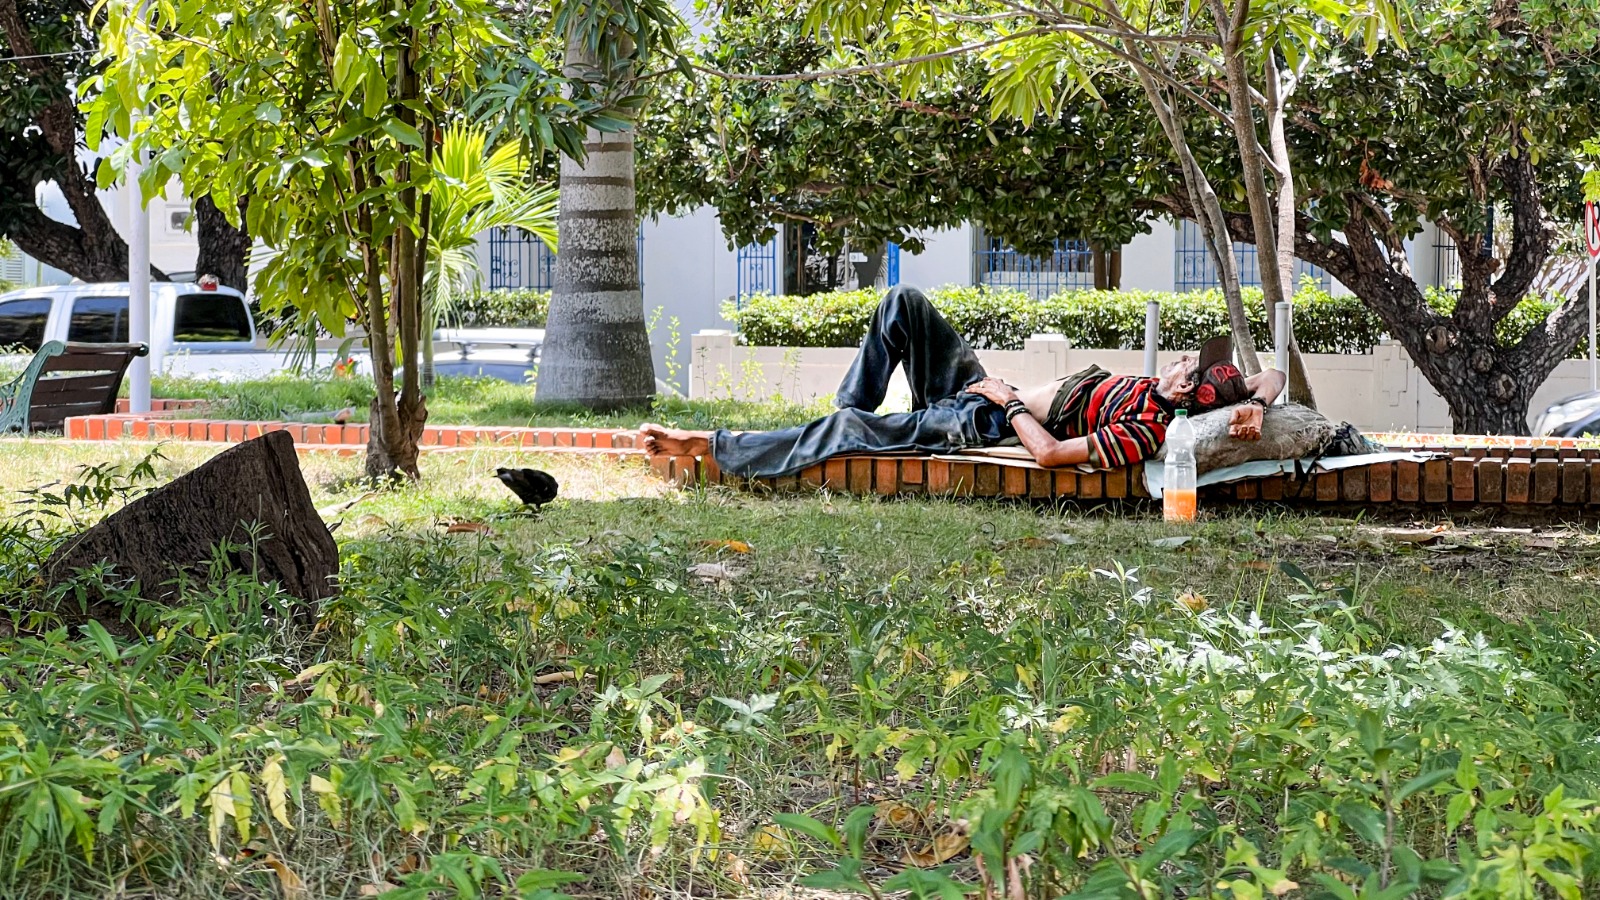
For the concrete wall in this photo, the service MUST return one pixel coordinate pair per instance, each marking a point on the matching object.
(947, 259)
(1377, 391)
(688, 272)
(1147, 260)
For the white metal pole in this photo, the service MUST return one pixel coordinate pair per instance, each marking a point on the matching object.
(1594, 375)
(1152, 336)
(1280, 345)
(138, 258)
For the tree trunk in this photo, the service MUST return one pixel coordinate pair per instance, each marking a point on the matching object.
(1107, 268)
(398, 418)
(224, 249)
(92, 250)
(1208, 214)
(596, 352)
(1277, 95)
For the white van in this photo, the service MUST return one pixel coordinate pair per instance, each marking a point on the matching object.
(193, 330)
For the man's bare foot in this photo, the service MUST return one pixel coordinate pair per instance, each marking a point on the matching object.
(662, 441)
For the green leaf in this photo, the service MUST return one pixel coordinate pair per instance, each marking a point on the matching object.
(1423, 782)
(102, 641)
(846, 876)
(810, 827)
(1456, 813)
(267, 111)
(856, 825)
(403, 133)
(1363, 820)
(345, 55)
(1133, 782)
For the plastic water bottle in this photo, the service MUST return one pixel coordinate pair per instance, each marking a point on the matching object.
(1178, 492)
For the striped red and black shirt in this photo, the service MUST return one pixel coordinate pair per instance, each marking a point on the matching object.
(1123, 418)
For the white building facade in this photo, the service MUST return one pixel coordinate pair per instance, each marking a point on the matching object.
(689, 273)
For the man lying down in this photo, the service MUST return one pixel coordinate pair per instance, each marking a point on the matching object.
(1091, 417)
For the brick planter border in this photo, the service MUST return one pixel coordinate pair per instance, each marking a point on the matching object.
(160, 427)
(1519, 473)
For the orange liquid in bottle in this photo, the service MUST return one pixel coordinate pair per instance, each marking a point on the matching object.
(1178, 505)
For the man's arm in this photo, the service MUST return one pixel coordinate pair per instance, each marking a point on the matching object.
(1046, 449)
(1265, 386)
(1118, 444)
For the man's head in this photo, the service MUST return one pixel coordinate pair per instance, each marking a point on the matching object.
(1209, 382)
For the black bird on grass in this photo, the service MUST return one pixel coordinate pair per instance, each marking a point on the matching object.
(531, 486)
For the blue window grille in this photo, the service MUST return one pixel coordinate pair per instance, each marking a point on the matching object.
(1069, 266)
(756, 271)
(1193, 269)
(891, 265)
(519, 260)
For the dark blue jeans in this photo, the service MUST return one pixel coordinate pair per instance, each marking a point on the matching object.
(906, 331)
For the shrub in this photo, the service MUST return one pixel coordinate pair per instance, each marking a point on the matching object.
(501, 309)
(1111, 320)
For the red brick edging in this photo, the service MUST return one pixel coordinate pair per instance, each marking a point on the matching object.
(1531, 472)
(156, 427)
(1535, 476)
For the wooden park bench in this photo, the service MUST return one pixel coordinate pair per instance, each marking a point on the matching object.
(65, 380)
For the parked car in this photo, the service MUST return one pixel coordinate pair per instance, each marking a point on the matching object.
(1575, 416)
(193, 330)
(509, 354)
(208, 331)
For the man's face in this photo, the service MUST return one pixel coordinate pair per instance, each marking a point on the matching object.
(1179, 378)
(1182, 368)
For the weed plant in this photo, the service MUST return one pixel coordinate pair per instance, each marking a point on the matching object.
(480, 716)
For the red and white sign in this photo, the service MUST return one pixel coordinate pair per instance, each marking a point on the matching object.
(1591, 229)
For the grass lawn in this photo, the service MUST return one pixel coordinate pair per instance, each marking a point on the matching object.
(705, 693)
(470, 401)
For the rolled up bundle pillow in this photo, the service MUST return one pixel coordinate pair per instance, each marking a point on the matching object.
(1290, 431)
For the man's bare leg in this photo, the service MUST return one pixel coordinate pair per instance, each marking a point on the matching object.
(662, 441)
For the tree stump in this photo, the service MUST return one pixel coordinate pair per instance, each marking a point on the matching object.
(176, 529)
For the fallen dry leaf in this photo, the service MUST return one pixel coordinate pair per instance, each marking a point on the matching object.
(900, 816)
(734, 546)
(373, 890)
(945, 847)
(1192, 601)
(294, 887)
(738, 872)
(770, 840)
(1256, 565)
(468, 528)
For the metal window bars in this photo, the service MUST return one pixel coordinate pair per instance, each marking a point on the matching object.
(1069, 266)
(1193, 269)
(520, 261)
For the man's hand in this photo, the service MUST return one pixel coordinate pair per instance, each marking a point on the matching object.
(994, 390)
(1246, 422)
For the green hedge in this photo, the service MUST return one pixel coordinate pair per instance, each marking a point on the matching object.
(501, 309)
(1107, 320)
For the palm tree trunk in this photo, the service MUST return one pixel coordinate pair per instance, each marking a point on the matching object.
(596, 351)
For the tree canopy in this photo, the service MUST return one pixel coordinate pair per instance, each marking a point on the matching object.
(1485, 108)
(337, 112)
